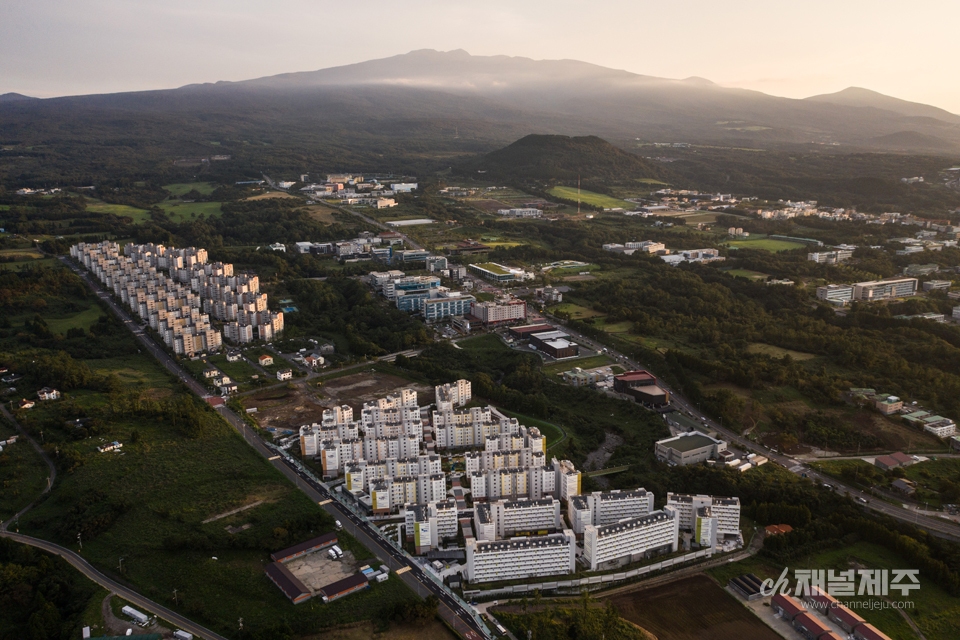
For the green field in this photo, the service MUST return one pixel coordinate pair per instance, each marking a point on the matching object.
(180, 188)
(623, 326)
(778, 352)
(122, 210)
(589, 197)
(183, 211)
(575, 311)
(584, 363)
(23, 473)
(766, 244)
(487, 342)
(747, 273)
(82, 320)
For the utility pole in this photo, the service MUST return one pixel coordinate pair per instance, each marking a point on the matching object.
(177, 601)
(121, 565)
(79, 541)
(578, 194)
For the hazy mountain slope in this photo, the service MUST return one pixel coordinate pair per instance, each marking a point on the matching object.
(14, 97)
(858, 97)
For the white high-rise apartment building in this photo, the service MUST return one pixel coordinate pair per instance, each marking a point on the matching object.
(521, 558)
(630, 540)
(453, 394)
(726, 510)
(526, 516)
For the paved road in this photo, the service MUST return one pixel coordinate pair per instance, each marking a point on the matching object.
(90, 572)
(450, 609)
(85, 567)
(935, 526)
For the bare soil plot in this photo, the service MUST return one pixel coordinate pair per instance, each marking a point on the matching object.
(694, 608)
(286, 408)
(369, 385)
(317, 570)
(270, 194)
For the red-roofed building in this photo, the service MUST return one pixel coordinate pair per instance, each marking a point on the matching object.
(809, 627)
(776, 529)
(344, 587)
(844, 617)
(643, 386)
(833, 635)
(869, 632)
(787, 607)
(288, 583)
(302, 549)
(819, 600)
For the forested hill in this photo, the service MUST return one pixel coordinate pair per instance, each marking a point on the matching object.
(551, 157)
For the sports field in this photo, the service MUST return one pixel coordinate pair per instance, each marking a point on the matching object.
(766, 244)
(589, 197)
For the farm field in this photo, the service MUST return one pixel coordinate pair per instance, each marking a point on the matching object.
(18, 255)
(180, 188)
(694, 608)
(122, 210)
(182, 211)
(589, 197)
(766, 244)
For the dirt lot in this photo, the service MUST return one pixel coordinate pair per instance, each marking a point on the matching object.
(362, 387)
(490, 206)
(286, 408)
(694, 608)
(317, 570)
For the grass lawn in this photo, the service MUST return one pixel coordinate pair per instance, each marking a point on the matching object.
(589, 197)
(487, 342)
(83, 320)
(767, 244)
(930, 475)
(778, 352)
(613, 327)
(554, 434)
(183, 211)
(241, 372)
(21, 254)
(575, 311)
(747, 273)
(180, 188)
(584, 363)
(935, 612)
(122, 210)
(23, 473)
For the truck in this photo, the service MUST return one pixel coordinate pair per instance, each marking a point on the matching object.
(338, 551)
(182, 635)
(332, 554)
(130, 612)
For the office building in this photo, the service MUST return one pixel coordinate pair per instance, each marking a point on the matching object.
(446, 304)
(500, 311)
(839, 294)
(689, 448)
(885, 289)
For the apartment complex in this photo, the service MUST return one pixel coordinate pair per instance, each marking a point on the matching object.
(525, 517)
(521, 558)
(176, 291)
(630, 540)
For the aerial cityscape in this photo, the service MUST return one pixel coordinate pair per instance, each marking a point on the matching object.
(330, 336)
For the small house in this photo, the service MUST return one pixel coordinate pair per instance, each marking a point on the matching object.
(48, 394)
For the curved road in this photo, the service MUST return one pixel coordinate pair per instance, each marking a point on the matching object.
(85, 567)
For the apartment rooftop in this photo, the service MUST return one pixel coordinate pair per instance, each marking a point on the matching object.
(527, 504)
(622, 495)
(552, 540)
(633, 523)
(483, 513)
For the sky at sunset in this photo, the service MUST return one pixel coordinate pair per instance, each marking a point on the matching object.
(908, 50)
